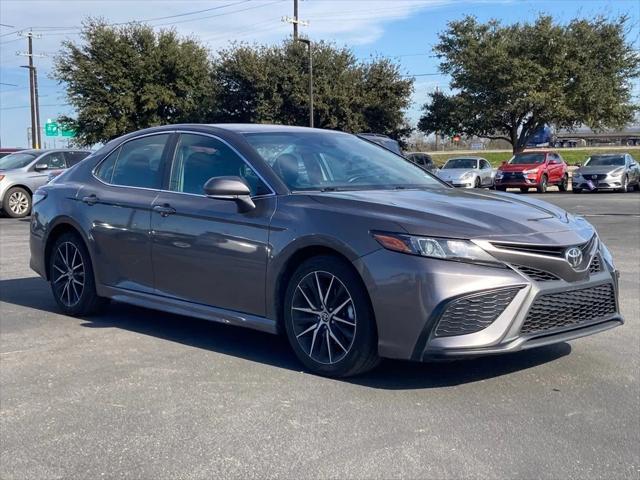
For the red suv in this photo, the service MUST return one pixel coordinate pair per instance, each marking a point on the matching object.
(537, 169)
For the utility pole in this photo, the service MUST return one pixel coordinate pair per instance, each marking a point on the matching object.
(295, 21)
(308, 43)
(33, 91)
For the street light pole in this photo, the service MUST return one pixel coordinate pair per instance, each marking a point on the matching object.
(308, 43)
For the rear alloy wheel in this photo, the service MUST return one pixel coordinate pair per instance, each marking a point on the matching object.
(542, 187)
(328, 319)
(17, 202)
(71, 276)
(477, 183)
(562, 186)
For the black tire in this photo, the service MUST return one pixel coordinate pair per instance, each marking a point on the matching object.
(563, 185)
(306, 328)
(477, 183)
(524, 189)
(625, 185)
(17, 202)
(544, 182)
(577, 190)
(501, 189)
(88, 301)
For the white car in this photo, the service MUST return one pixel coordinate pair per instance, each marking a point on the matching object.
(467, 172)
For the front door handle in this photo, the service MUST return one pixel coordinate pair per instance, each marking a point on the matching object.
(90, 199)
(164, 210)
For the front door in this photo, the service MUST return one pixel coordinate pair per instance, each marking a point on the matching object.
(204, 250)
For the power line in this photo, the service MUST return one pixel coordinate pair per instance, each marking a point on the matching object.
(15, 107)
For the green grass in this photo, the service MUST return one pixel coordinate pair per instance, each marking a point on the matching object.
(570, 155)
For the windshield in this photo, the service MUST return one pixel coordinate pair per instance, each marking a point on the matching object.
(336, 161)
(461, 163)
(527, 158)
(603, 160)
(16, 160)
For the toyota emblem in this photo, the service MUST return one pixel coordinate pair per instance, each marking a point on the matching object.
(573, 255)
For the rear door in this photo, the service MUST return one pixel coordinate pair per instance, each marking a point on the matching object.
(117, 206)
(204, 250)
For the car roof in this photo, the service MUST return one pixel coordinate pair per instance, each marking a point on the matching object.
(263, 128)
(466, 157)
(40, 151)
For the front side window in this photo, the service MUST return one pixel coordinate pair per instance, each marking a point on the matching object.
(53, 161)
(465, 163)
(199, 158)
(336, 161)
(136, 163)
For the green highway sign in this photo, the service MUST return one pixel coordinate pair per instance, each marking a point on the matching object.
(54, 129)
(51, 129)
(68, 132)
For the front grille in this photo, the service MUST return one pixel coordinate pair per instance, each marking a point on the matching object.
(550, 250)
(536, 274)
(512, 176)
(572, 307)
(595, 266)
(473, 313)
(599, 176)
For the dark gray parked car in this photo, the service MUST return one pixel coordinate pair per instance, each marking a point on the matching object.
(350, 249)
(609, 171)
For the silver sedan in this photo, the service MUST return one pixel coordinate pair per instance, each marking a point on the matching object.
(467, 172)
(610, 171)
(21, 173)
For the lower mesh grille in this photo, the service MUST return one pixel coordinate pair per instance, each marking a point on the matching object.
(595, 266)
(473, 313)
(555, 310)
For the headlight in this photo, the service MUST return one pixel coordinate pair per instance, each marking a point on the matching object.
(499, 175)
(466, 176)
(533, 170)
(38, 196)
(617, 172)
(606, 255)
(577, 176)
(442, 248)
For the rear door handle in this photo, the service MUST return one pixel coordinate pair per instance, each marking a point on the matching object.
(164, 210)
(90, 199)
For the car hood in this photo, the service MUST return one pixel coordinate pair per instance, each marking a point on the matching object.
(520, 167)
(457, 213)
(600, 169)
(453, 172)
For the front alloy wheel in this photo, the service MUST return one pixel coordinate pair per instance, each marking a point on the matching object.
(542, 187)
(328, 318)
(17, 202)
(324, 317)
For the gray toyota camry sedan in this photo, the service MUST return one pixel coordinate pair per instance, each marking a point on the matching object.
(350, 250)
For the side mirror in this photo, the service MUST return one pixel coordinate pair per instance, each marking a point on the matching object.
(40, 167)
(230, 188)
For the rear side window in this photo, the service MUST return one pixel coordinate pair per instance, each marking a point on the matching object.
(136, 163)
(75, 157)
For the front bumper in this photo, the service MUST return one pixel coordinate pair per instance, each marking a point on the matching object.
(410, 296)
(605, 183)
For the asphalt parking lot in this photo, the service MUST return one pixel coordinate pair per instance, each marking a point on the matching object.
(144, 394)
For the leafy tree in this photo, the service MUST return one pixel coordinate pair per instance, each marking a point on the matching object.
(120, 79)
(270, 84)
(508, 81)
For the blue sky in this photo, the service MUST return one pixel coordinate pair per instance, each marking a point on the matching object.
(404, 29)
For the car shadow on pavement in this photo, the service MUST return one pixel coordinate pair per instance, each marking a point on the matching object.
(272, 350)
